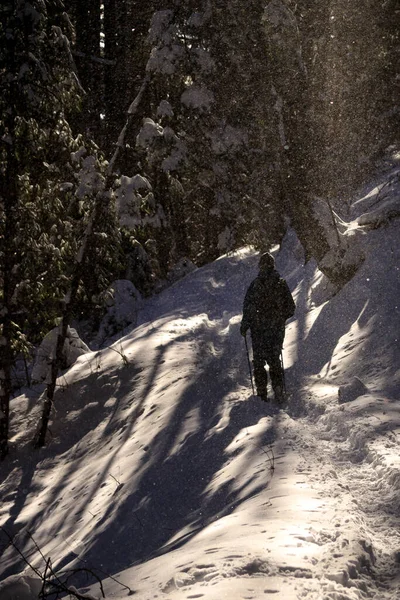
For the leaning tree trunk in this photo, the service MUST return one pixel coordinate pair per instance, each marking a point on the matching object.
(69, 305)
(100, 209)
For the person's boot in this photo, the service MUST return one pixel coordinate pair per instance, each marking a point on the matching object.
(263, 396)
(279, 394)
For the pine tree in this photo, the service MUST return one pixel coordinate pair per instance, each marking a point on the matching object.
(36, 84)
(48, 179)
(209, 128)
(100, 227)
(249, 112)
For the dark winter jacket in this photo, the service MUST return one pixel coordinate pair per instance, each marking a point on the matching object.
(267, 305)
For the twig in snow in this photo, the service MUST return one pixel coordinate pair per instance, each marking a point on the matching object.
(42, 591)
(115, 479)
(270, 454)
(49, 577)
(122, 355)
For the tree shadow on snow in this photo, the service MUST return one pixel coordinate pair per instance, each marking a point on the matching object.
(172, 499)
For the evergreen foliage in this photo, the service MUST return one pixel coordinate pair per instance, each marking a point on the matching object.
(250, 112)
(205, 144)
(48, 180)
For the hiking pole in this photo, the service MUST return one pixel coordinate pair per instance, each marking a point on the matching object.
(248, 360)
(283, 373)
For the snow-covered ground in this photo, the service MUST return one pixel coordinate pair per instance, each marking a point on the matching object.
(164, 472)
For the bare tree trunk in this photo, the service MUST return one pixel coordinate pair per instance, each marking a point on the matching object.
(69, 303)
(40, 438)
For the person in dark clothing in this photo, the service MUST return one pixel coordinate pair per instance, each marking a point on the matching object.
(267, 305)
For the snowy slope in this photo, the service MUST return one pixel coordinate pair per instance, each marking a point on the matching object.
(163, 471)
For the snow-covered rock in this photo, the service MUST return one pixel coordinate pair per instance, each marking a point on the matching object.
(352, 390)
(73, 348)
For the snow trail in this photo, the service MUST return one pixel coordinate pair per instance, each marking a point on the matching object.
(163, 471)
